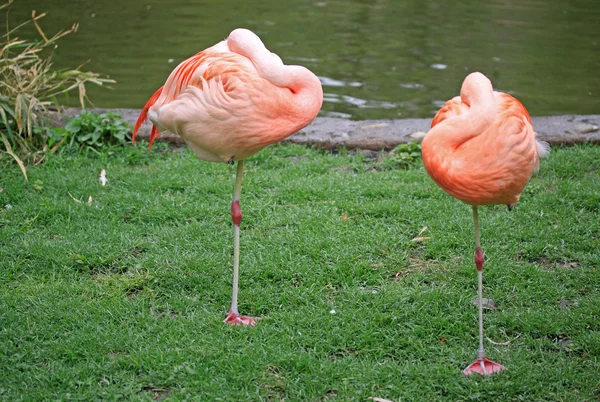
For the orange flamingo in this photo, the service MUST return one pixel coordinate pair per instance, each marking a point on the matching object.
(482, 150)
(228, 102)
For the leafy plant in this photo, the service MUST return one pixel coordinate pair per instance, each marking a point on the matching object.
(94, 131)
(403, 156)
(29, 86)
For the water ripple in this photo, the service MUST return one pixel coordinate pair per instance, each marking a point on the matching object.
(330, 82)
(357, 102)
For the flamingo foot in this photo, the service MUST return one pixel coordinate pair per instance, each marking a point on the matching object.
(237, 319)
(483, 366)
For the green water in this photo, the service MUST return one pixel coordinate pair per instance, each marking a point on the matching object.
(376, 59)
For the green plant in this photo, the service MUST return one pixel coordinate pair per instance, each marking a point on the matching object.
(94, 131)
(29, 86)
(403, 156)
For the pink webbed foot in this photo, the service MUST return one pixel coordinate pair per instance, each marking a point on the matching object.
(237, 319)
(483, 366)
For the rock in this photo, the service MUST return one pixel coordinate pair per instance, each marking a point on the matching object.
(565, 304)
(418, 134)
(487, 304)
(566, 344)
(584, 128)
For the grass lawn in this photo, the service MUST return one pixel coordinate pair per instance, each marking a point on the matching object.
(124, 298)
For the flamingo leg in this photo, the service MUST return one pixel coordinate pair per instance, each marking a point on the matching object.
(234, 317)
(481, 365)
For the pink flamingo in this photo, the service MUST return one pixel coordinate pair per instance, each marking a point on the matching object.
(482, 150)
(228, 102)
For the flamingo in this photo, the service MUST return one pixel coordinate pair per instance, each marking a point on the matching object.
(482, 150)
(228, 102)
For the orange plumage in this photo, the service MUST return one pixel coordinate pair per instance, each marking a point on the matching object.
(481, 147)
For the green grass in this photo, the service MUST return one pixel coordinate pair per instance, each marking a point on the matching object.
(124, 298)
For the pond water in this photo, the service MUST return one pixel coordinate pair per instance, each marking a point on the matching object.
(376, 58)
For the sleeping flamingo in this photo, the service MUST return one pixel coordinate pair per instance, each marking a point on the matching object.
(227, 103)
(482, 150)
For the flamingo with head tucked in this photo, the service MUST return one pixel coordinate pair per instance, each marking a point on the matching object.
(482, 150)
(228, 102)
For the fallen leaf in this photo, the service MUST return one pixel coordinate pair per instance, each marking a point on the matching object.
(443, 340)
(345, 217)
(419, 237)
(74, 199)
(376, 265)
(487, 304)
(399, 275)
(376, 399)
(90, 200)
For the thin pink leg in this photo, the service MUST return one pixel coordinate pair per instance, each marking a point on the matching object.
(481, 365)
(234, 317)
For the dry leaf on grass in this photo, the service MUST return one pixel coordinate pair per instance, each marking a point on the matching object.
(74, 199)
(419, 237)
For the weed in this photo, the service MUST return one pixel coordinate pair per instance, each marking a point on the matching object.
(30, 86)
(95, 131)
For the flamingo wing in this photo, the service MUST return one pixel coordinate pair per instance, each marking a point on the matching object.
(205, 74)
(515, 125)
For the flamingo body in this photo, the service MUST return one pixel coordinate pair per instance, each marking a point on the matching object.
(228, 102)
(233, 99)
(481, 148)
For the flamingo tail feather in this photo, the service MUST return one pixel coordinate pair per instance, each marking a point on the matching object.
(144, 116)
